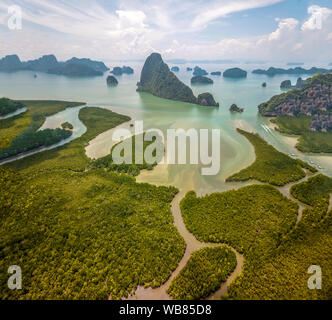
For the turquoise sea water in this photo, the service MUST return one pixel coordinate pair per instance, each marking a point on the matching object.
(236, 152)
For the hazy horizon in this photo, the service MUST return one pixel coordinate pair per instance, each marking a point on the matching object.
(252, 30)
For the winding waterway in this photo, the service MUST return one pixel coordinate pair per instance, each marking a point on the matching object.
(236, 151)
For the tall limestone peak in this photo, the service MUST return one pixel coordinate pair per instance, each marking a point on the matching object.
(157, 79)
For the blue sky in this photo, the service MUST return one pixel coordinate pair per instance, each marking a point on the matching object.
(275, 30)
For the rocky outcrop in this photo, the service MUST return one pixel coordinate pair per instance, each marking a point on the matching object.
(314, 99)
(286, 84)
(175, 69)
(206, 99)
(189, 69)
(300, 83)
(199, 72)
(235, 108)
(201, 80)
(264, 84)
(112, 81)
(235, 73)
(157, 79)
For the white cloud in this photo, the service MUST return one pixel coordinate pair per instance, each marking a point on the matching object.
(227, 7)
(285, 26)
(133, 29)
(318, 16)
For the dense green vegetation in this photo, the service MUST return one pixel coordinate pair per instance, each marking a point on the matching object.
(316, 142)
(271, 165)
(292, 125)
(74, 157)
(317, 188)
(133, 169)
(259, 222)
(254, 216)
(203, 273)
(67, 126)
(83, 234)
(309, 141)
(8, 106)
(12, 127)
(284, 274)
(32, 138)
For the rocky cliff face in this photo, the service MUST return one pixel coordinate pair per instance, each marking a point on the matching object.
(315, 99)
(157, 79)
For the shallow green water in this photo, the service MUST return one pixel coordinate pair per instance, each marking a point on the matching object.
(236, 152)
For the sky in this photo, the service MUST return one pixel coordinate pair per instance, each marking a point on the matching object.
(246, 30)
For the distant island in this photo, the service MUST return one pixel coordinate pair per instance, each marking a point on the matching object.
(235, 108)
(75, 70)
(216, 73)
(201, 80)
(199, 72)
(297, 71)
(119, 71)
(175, 69)
(157, 79)
(49, 64)
(189, 69)
(112, 81)
(8, 106)
(235, 73)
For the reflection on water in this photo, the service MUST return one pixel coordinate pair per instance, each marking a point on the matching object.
(236, 151)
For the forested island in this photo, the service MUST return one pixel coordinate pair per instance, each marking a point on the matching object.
(119, 71)
(49, 64)
(297, 71)
(157, 79)
(201, 80)
(235, 73)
